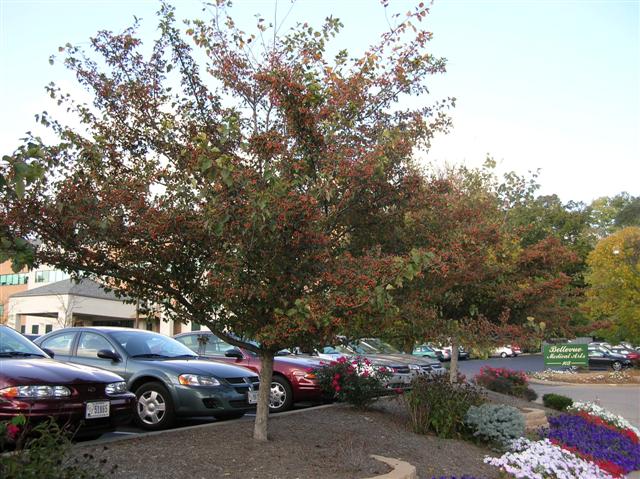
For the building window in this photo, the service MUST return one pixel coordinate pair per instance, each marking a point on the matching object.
(50, 276)
(48, 328)
(1, 310)
(23, 329)
(35, 329)
(13, 279)
(195, 326)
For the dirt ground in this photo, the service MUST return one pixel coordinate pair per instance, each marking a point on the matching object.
(329, 443)
(627, 376)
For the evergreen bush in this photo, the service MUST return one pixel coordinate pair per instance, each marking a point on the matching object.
(495, 423)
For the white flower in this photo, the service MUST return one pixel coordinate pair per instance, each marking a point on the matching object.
(543, 460)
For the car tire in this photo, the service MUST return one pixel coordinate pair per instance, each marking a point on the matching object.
(154, 407)
(616, 365)
(503, 355)
(281, 398)
(229, 415)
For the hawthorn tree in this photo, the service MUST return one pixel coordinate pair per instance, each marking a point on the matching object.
(227, 186)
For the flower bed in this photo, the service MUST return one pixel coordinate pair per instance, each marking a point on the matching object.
(505, 381)
(587, 442)
(587, 377)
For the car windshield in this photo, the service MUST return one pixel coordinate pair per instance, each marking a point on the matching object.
(13, 344)
(378, 346)
(146, 344)
(337, 349)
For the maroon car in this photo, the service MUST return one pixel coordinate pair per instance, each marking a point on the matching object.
(34, 385)
(292, 380)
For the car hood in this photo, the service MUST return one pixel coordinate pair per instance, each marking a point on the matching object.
(31, 371)
(206, 367)
(300, 361)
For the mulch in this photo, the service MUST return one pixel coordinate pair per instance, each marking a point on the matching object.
(331, 443)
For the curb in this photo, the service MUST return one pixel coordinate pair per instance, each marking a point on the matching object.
(561, 383)
(142, 435)
(400, 469)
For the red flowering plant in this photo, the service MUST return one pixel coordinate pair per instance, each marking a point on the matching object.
(11, 432)
(354, 380)
(505, 381)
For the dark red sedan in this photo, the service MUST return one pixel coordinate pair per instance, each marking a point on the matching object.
(32, 384)
(292, 380)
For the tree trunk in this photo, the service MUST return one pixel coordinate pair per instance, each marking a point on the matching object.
(453, 368)
(262, 413)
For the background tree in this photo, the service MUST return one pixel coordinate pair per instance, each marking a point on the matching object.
(231, 192)
(614, 285)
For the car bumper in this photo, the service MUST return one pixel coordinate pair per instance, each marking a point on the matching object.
(208, 401)
(72, 413)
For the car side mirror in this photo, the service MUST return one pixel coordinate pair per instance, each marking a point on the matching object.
(49, 352)
(108, 354)
(234, 353)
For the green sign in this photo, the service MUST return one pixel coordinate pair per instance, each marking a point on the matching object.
(566, 355)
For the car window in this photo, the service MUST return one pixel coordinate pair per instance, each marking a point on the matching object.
(146, 343)
(190, 341)
(90, 344)
(595, 354)
(216, 346)
(60, 343)
(13, 342)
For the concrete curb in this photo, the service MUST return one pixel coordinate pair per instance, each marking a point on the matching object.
(401, 469)
(99, 442)
(561, 383)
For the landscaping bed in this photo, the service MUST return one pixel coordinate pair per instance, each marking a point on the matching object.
(330, 443)
(629, 376)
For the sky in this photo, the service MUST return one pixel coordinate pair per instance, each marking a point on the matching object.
(552, 85)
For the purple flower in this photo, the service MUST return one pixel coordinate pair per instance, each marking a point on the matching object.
(596, 441)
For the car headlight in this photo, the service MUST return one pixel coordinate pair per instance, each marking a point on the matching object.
(36, 392)
(197, 380)
(116, 388)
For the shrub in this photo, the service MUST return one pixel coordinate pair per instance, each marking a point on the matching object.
(556, 401)
(434, 404)
(505, 381)
(495, 423)
(355, 381)
(44, 452)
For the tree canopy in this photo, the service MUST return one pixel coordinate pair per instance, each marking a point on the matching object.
(226, 188)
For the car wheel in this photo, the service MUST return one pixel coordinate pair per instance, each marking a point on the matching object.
(281, 398)
(155, 407)
(228, 415)
(503, 355)
(616, 365)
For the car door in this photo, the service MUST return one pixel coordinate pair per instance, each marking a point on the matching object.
(61, 345)
(597, 359)
(86, 352)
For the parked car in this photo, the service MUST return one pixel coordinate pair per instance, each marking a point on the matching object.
(292, 382)
(381, 354)
(34, 385)
(515, 349)
(603, 359)
(629, 353)
(425, 351)
(442, 353)
(31, 337)
(168, 379)
(502, 352)
(462, 354)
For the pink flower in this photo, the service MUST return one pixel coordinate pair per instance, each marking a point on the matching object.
(398, 390)
(12, 431)
(337, 388)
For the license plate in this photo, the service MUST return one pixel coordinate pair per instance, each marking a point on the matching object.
(97, 409)
(252, 397)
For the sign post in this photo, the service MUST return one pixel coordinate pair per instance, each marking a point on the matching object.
(566, 355)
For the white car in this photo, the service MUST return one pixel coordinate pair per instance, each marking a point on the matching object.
(502, 352)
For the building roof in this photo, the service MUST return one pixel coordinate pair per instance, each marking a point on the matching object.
(85, 287)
